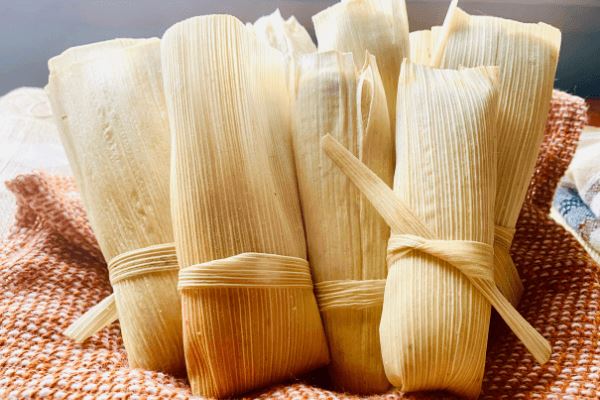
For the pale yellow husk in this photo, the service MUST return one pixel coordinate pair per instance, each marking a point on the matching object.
(449, 345)
(234, 190)
(420, 47)
(287, 36)
(346, 237)
(527, 55)
(377, 26)
(434, 324)
(109, 105)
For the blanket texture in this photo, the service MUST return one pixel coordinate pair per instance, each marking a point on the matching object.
(51, 271)
(572, 212)
(576, 204)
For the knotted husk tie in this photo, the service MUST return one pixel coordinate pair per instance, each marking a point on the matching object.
(254, 313)
(474, 259)
(402, 219)
(352, 308)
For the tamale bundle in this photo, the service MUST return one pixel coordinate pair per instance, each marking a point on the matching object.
(287, 36)
(438, 342)
(109, 105)
(346, 238)
(434, 325)
(377, 26)
(527, 55)
(249, 311)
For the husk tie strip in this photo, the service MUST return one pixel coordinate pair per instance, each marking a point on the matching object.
(474, 259)
(249, 320)
(151, 259)
(401, 219)
(93, 320)
(147, 260)
(350, 293)
(250, 270)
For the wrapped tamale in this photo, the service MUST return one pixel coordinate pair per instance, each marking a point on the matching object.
(249, 312)
(435, 324)
(346, 238)
(109, 105)
(527, 55)
(440, 213)
(287, 36)
(377, 26)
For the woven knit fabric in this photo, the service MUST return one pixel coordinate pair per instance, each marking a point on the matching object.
(51, 271)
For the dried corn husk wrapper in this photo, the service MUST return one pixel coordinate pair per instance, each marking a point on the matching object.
(445, 172)
(347, 239)
(377, 26)
(287, 36)
(445, 152)
(109, 105)
(250, 320)
(527, 55)
(420, 47)
(234, 191)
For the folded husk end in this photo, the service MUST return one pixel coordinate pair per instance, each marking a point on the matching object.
(239, 339)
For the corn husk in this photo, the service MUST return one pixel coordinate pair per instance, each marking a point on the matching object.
(377, 26)
(449, 347)
(420, 47)
(109, 105)
(527, 55)
(346, 237)
(234, 191)
(445, 172)
(287, 36)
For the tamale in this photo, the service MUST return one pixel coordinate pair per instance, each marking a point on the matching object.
(377, 26)
(287, 36)
(110, 109)
(420, 47)
(446, 173)
(438, 337)
(527, 55)
(346, 238)
(249, 319)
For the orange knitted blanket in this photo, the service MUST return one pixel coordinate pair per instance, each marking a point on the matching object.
(51, 271)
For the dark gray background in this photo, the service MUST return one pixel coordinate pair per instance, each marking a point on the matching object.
(32, 31)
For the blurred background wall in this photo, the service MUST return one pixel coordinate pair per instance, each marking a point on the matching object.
(32, 31)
